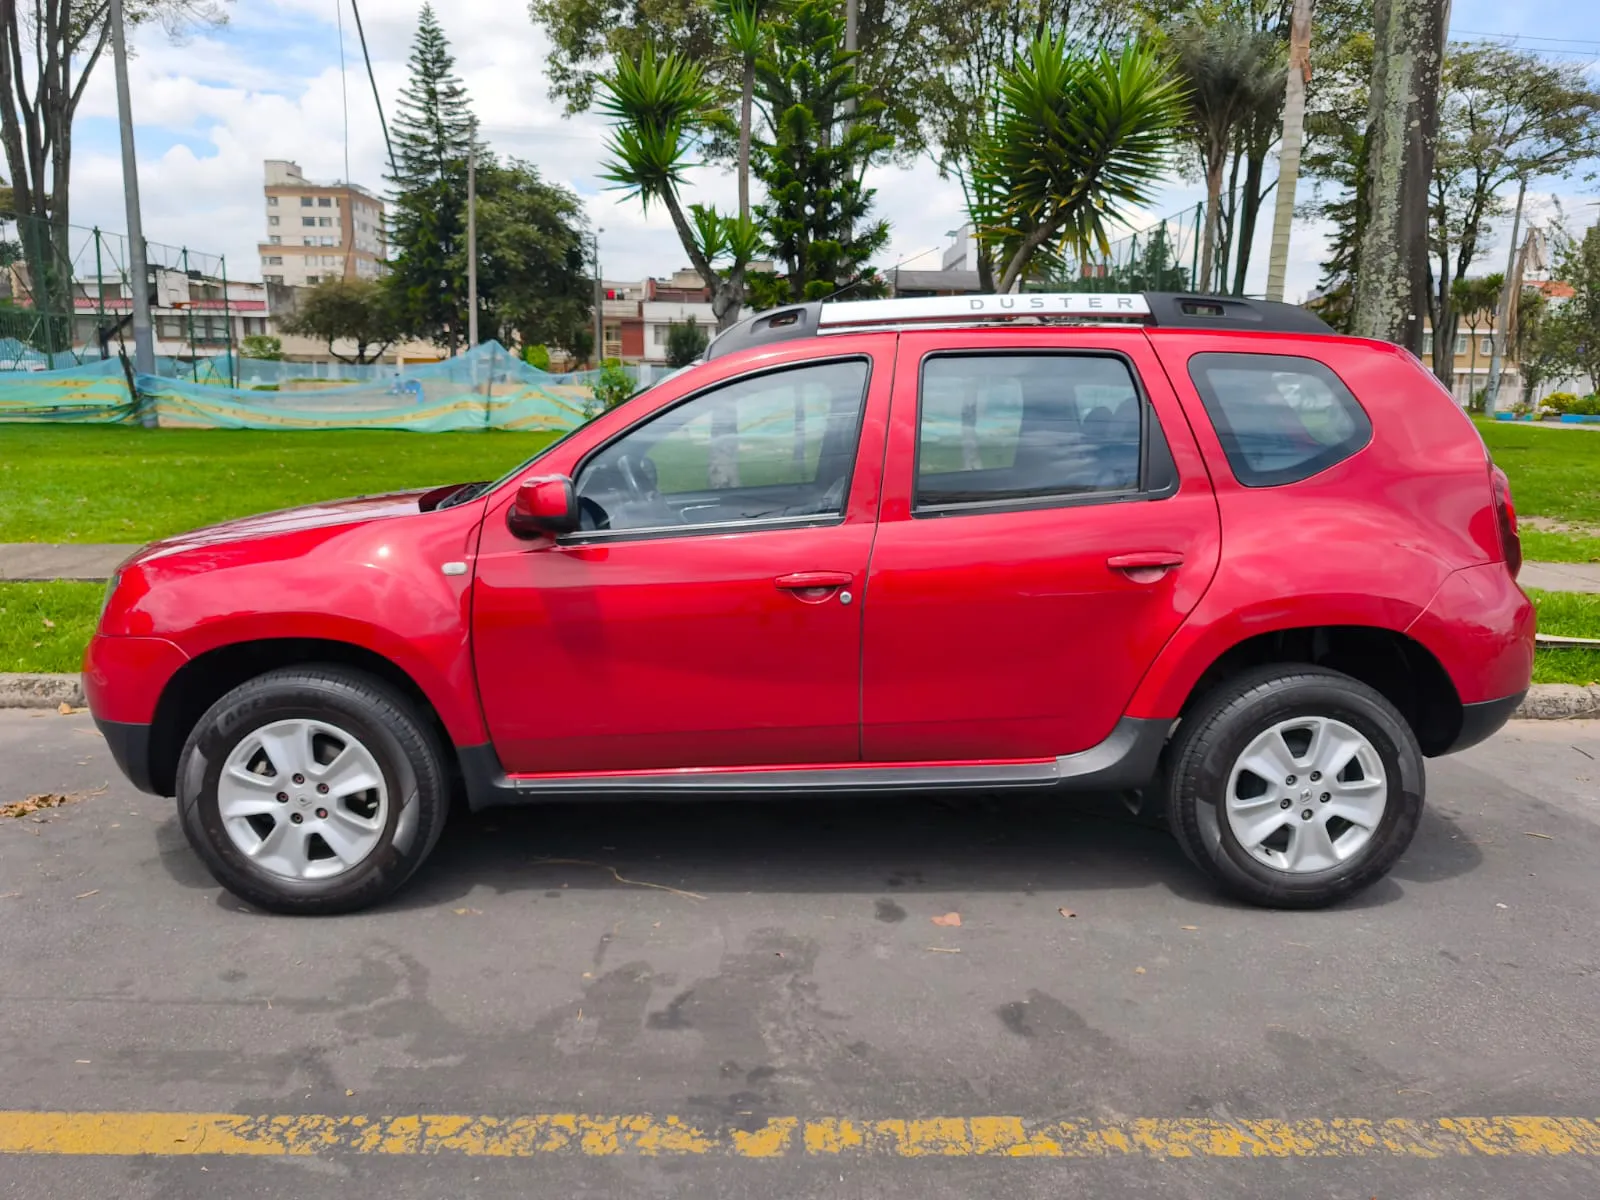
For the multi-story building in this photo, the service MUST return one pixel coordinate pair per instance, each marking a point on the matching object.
(319, 231)
(637, 317)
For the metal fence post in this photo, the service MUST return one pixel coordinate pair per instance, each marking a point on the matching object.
(227, 324)
(188, 312)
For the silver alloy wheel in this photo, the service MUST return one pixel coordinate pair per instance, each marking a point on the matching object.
(1306, 794)
(303, 799)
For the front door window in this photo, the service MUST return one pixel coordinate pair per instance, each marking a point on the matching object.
(778, 447)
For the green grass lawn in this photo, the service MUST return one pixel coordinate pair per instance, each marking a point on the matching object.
(44, 626)
(1555, 474)
(1569, 614)
(83, 483)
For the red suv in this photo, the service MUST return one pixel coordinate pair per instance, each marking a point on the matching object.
(1194, 549)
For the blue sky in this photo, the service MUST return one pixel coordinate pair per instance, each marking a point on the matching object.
(212, 106)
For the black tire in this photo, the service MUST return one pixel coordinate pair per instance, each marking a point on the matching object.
(387, 725)
(1217, 730)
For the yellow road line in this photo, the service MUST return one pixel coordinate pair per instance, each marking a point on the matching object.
(166, 1133)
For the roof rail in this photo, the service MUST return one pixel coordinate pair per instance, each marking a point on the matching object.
(1163, 309)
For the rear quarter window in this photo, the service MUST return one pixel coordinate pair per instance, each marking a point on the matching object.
(1280, 418)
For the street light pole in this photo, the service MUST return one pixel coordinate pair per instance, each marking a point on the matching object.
(599, 303)
(472, 240)
(144, 348)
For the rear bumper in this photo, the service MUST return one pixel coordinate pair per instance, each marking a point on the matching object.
(1484, 719)
(130, 748)
(1480, 627)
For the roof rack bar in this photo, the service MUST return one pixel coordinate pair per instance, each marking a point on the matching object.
(982, 308)
(1170, 310)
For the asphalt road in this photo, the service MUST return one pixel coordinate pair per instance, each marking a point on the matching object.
(808, 982)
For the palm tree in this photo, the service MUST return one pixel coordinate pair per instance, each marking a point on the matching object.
(1472, 299)
(1077, 135)
(747, 34)
(660, 106)
(1234, 74)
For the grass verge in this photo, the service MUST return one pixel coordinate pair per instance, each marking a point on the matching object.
(107, 483)
(1555, 474)
(1569, 614)
(44, 627)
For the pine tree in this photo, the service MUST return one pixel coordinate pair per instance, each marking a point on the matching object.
(816, 213)
(433, 137)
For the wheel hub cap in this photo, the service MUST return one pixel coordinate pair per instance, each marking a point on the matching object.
(1324, 821)
(303, 799)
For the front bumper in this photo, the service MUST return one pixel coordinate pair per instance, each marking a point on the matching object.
(1483, 720)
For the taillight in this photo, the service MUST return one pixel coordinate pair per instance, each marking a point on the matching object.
(1505, 513)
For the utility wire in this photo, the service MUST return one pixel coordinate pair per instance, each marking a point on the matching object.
(373, 80)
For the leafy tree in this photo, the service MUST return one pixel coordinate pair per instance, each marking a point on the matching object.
(686, 342)
(900, 41)
(1234, 79)
(537, 356)
(63, 41)
(660, 107)
(262, 346)
(1529, 346)
(1475, 301)
(815, 217)
(433, 137)
(1505, 115)
(1077, 138)
(1573, 328)
(533, 281)
(1153, 267)
(348, 310)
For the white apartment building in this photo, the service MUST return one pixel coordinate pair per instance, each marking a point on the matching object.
(319, 231)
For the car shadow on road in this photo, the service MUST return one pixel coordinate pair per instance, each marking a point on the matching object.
(842, 844)
(863, 844)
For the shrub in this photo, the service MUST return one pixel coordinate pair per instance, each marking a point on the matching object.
(613, 385)
(685, 343)
(537, 357)
(263, 346)
(1561, 402)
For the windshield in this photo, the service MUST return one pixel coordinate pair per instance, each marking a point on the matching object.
(472, 491)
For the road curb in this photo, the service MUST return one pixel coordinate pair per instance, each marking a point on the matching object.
(40, 691)
(1544, 702)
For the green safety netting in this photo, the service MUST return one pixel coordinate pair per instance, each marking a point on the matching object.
(486, 388)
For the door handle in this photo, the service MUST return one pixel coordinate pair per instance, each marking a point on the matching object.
(1146, 566)
(811, 581)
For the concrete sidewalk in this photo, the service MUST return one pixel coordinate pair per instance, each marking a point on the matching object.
(50, 560)
(53, 560)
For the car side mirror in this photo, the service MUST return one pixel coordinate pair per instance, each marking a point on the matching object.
(544, 505)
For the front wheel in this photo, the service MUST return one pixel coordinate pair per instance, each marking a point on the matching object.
(1294, 786)
(312, 790)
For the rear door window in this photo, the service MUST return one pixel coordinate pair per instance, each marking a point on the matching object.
(1021, 428)
(1280, 418)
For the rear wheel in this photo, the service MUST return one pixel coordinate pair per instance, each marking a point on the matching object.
(1294, 786)
(312, 790)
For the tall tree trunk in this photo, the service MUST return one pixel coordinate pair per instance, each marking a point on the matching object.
(1403, 130)
(1472, 358)
(1294, 115)
(746, 105)
(1443, 315)
(1227, 224)
(1208, 239)
(1249, 211)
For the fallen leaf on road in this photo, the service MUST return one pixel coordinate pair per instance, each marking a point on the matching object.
(349, 1091)
(33, 804)
(1066, 912)
(82, 1062)
(9, 895)
(1189, 928)
(1545, 836)
(949, 920)
(468, 912)
(86, 895)
(1138, 970)
(1497, 904)
(65, 709)
(945, 949)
